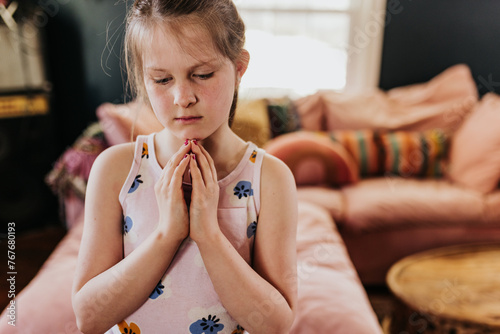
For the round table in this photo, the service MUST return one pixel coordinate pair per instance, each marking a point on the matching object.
(452, 290)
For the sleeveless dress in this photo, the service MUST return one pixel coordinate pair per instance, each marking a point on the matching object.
(184, 300)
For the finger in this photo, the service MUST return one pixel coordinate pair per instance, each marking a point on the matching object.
(174, 161)
(178, 173)
(210, 161)
(202, 158)
(196, 176)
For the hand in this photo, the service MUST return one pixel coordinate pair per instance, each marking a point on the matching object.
(205, 195)
(173, 213)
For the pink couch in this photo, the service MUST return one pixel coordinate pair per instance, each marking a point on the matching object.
(440, 193)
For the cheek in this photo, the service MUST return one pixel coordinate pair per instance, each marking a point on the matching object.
(223, 94)
(157, 95)
(159, 101)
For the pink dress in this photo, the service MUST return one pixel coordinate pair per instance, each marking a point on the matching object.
(184, 300)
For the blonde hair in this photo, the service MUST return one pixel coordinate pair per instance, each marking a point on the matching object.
(219, 18)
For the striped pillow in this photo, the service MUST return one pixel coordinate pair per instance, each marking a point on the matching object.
(402, 153)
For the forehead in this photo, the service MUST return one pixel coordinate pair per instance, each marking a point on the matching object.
(182, 44)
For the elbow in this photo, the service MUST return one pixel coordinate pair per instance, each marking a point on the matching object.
(86, 318)
(84, 321)
(86, 325)
(83, 325)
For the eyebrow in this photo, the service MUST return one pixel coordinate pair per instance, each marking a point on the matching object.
(210, 62)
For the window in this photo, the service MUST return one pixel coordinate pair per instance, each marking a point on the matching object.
(300, 46)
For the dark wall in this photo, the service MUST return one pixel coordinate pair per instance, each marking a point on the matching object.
(424, 37)
(82, 49)
(84, 44)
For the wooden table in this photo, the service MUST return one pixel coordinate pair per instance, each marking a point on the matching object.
(452, 290)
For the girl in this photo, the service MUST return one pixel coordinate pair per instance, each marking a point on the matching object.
(191, 229)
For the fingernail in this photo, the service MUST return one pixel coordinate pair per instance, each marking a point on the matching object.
(195, 142)
(193, 156)
(186, 142)
(185, 156)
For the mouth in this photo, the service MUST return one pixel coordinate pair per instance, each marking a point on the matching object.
(188, 119)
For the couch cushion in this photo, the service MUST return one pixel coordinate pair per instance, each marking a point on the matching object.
(330, 296)
(328, 198)
(44, 305)
(475, 150)
(386, 203)
(443, 103)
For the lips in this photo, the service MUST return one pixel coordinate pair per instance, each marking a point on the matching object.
(188, 119)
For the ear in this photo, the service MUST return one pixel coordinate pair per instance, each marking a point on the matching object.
(242, 64)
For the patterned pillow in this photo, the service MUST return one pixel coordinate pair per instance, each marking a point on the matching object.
(71, 171)
(401, 153)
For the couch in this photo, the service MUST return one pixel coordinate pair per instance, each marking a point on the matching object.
(380, 176)
(424, 175)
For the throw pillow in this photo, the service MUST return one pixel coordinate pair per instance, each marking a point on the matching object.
(400, 153)
(442, 102)
(314, 159)
(475, 147)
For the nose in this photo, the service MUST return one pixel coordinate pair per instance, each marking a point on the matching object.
(184, 95)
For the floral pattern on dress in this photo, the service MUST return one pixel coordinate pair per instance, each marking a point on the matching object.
(252, 228)
(238, 330)
(135, 184)
(243, 189)
(145, 151)
(158, 290)
(129, 329)
(210, 324)
(127, 225)
(253, 156)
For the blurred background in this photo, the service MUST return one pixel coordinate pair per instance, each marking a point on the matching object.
(61, 59)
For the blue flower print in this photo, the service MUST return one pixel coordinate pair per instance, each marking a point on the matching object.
(157, 291)
(127, 224)
(135, 184)
(251, 229)
(206, 325)
(243, 188)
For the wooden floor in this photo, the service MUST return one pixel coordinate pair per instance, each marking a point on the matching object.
(32, 249)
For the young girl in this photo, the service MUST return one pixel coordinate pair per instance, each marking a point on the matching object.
(191, 229)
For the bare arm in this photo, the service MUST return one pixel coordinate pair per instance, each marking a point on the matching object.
(262, 299)
(108, 288)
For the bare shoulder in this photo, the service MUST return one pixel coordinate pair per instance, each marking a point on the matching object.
(277, 175)
(278, 192)
(113, 165)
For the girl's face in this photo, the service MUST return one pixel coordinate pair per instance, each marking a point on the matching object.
(190, 86)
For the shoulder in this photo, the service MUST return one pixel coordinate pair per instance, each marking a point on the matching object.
(112, 166)
(277, 181)
(276, 171)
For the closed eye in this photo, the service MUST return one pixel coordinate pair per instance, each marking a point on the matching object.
(162, 81)
(204, 76)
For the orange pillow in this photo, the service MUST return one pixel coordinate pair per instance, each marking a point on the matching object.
(475, 147)
(314, 159)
